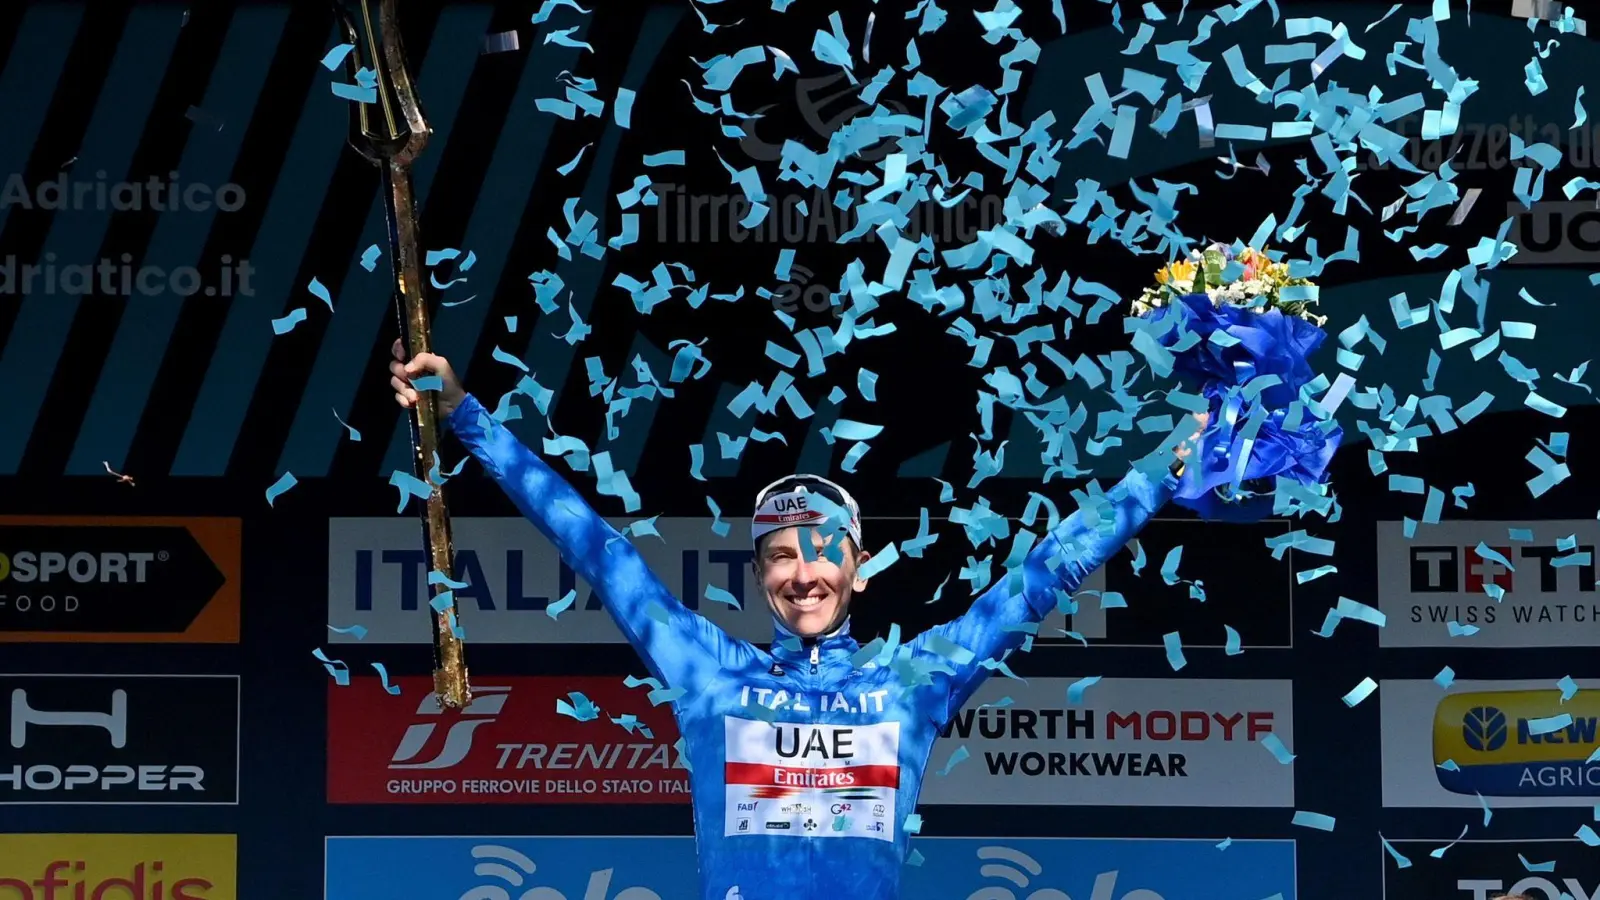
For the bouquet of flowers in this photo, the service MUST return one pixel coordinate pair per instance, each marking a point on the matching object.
(1237, 327)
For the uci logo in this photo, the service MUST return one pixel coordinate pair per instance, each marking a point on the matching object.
(747, 807)
(838, 808)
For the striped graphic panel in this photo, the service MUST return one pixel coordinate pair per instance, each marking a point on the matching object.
(364, 300)
(180, 237)
(40, 333)
(491, 230)
(240, 353)
(32, 74)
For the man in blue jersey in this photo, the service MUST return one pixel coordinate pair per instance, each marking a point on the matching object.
(805, 758)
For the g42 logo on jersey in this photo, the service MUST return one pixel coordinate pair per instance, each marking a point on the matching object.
(838, 808)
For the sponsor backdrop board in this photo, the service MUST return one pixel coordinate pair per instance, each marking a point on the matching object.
(1132, 742)
(170, 740)
(118, 866)
(382, 868)
(1449, 572)
(377, 578)
(1484, 870)
(509, 746)
(1517, 743)
(119, 580)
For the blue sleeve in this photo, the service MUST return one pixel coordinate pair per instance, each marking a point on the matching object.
(680, 647)
(1078, 545)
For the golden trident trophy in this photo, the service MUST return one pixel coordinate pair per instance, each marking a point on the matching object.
(390, 132)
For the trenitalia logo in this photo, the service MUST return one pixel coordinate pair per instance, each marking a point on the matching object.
(1517, 744)
(487, 702)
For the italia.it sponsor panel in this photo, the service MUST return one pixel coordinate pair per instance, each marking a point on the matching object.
(118, 867)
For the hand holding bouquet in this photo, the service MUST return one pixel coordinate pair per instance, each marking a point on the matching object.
(1239, 329)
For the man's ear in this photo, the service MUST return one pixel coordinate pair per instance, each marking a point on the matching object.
(859, 583)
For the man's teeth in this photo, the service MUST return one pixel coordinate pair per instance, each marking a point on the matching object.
(806, 602)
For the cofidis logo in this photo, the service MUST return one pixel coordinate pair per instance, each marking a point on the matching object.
(1518, 744)
(107, 866)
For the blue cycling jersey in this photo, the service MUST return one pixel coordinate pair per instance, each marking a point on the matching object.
(806, 759)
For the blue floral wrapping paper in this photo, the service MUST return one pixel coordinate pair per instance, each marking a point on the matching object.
(1252, 375)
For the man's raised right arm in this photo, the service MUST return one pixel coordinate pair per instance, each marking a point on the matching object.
(673, 640)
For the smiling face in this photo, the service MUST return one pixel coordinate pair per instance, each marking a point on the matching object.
(811, 596)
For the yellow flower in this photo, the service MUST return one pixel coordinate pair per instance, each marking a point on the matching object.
(1178, 271)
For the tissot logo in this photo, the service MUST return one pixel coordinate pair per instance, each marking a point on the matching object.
(1452, 569)
(87, 739)
(1490, 869)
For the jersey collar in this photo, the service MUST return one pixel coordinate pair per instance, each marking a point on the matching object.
(834, 642)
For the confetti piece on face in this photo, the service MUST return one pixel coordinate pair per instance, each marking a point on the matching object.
(336, 668)
(358, 631)
(1360, 692)
(1312, 820)
(1445, 678)
(383, 673)
(959, 755)
(1076, 689)
(284, 483)
(1174, 645)
(1275, 746)
(581, 707)
(321, 293)
(336, 56)
(560, 606)
(289, 321)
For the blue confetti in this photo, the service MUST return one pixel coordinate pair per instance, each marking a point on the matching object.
(1549, 724)
(321, 293)
(1569, 688)
(1174, 645)
(359, 632)
(336, 668)
(1360, 692)
(383, 673)
(560, 606)
(1312, 820)
(1233, 646)
(288, 322)
(410, 486)
(581, 707)
(1275, 746)
(284, 483)
(336, 56)
(1399, 860)
(1076, 689)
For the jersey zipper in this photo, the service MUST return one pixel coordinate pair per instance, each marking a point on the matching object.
(816, 656)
